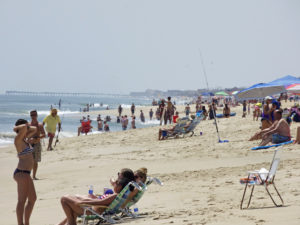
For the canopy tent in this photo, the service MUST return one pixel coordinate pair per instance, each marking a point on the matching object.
(221, 93)
(285, 81)
(259, 91)
(293, 88)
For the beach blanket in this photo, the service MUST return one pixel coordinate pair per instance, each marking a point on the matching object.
(221, 115)
(270, 146)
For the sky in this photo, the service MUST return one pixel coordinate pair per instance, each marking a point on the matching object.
(123, 46)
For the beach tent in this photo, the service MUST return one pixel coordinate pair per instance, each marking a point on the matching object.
(207, 94)
(221, 93)
(260, 91)
(285, 81)
(293, 88)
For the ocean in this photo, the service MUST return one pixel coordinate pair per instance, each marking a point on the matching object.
(13, 107)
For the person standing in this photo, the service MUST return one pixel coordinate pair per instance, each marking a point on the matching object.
(51, 121)
(150, 114)
(170, 111)
(142, 117)
(132, 109)
(37, 147)
(120, 109)
(26, 189)
(133, 123)
(244, 108)
(187, 110)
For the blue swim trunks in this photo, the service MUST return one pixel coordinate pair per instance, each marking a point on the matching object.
(276, 138)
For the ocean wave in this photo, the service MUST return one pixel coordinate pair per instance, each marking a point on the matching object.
(6, 138)
(7, 135)
(148, 122)
(59, 112)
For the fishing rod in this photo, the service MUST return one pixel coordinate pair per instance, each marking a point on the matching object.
(214, 113)
(57, 140)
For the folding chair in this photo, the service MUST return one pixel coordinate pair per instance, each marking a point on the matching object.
(263, 178)
(126, 210)
(110, 210)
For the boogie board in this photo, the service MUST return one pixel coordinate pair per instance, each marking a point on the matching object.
(269, 146)
(221, 115)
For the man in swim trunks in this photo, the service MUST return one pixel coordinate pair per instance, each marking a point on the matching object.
(51, 121)
(36, 141)
(279, 131)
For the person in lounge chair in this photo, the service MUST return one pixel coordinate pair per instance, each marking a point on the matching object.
(162, 133)
(71, 203)
(279, 131)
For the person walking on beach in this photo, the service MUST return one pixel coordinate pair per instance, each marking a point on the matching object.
(132, 109)
(26, 189)
(51, 121)
(37, 147)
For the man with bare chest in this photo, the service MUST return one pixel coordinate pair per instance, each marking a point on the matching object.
(36, 143)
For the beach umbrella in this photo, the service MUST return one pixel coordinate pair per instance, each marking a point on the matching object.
(234, 92)
(294, 88)
(285, 81)
(221, 93)
(207, 94)
(260, 91)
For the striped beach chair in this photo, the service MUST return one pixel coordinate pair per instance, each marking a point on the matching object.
(111, 210)
(129, 204)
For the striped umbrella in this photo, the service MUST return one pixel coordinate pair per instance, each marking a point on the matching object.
(294, 88)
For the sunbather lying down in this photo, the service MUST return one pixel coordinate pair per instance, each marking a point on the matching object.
(163, 133)
(71, 203)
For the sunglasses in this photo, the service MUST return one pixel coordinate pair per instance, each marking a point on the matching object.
(32, 115)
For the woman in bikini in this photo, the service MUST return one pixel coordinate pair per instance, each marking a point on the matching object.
(26, 190)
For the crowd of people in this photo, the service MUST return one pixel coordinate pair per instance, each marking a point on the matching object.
(275, 128)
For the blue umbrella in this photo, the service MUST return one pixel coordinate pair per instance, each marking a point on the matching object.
(259, 91)
(207, 94)
(285, 81)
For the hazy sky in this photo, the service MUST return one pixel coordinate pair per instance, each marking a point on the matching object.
(130, 45)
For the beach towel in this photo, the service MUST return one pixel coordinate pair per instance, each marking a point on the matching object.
(221, 115)
(270, 146)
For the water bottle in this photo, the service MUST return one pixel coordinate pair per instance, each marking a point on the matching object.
(91, 190)
(136, 210)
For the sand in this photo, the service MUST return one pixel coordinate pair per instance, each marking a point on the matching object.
(200, 175)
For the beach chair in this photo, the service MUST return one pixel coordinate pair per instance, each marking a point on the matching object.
(264, 178)
(191, 127)
(111, 210)
(177, 129)
(127, 209)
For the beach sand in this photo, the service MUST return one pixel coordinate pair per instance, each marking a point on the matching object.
(200, 175)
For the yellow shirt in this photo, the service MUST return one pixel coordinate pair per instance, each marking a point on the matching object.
(51, 123)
